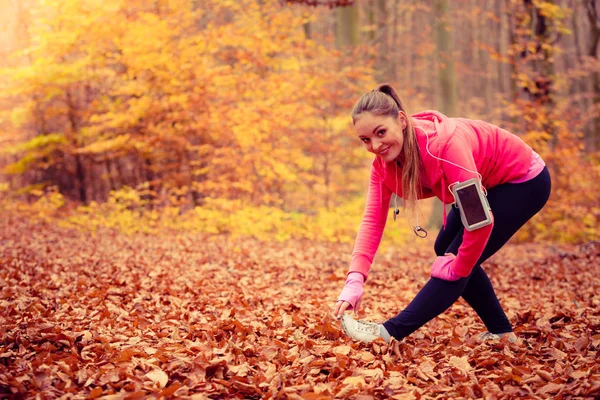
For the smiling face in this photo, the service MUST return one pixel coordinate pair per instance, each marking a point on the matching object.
(382, 135)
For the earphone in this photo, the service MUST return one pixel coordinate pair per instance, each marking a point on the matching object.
(450, 162)
(417, 229)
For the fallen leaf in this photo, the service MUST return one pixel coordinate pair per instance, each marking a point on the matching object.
(367, 356)
(551, 388)
(344, 350)
(461, 363)
(158, 376)
(355, 381)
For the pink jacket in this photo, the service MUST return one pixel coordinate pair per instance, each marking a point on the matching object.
(498, 155)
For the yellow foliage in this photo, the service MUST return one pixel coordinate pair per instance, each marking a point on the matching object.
(230, 100)
(46, 206)
(105, 146)
(127, 212)
(259, 110)
(572, 214)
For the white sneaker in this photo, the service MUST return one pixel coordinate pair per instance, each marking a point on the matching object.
(364, 331)
(497, 336)
(484, 336)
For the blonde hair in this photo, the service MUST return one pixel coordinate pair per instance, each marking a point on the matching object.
(385, 102)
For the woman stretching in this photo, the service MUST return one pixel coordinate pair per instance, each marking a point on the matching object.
(428, 154)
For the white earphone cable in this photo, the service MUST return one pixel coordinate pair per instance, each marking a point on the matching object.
(450, 162)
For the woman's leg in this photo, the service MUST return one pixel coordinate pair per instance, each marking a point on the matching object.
(447, 234)
(480, 295)
(510, 213)
(433, 299)
(511, 216)
(437, 295)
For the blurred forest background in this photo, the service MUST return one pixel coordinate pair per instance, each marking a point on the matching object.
(233, 116)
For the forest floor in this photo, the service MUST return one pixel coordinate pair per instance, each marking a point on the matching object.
(112, 316)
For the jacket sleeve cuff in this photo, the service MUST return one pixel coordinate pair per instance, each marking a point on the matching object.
(360, 264)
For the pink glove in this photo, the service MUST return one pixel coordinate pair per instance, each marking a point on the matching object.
(353, 290)
(442, 268)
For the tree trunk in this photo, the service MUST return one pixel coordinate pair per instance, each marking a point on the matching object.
(371, 15)
(382, 58)
(593, 141)
(514, 88)
(347, 28)
(501, 44)
(394, 70)
(307, 30)
(444, 48)
(80, 174)
(447, 82)
(109, 175)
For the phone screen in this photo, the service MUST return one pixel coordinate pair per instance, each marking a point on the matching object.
(471, 204)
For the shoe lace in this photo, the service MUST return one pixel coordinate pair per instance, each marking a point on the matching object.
(488, 336)
(367, 327)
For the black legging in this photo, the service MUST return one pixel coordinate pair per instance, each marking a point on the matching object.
(512, 205)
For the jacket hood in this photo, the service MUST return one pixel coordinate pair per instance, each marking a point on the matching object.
(433, 130)
(443, 125)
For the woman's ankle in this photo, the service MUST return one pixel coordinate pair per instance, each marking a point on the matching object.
(384, 333)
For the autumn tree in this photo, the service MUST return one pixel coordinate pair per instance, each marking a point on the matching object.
(191, 102)
(204, 99)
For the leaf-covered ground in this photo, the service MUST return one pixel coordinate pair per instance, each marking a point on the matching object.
(112, 316)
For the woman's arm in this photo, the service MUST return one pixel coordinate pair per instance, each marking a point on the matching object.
(458, 151)
(372, 225)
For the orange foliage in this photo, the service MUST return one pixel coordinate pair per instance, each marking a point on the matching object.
(554, 129)
(227, 100)
(190, 317)
(226, 109)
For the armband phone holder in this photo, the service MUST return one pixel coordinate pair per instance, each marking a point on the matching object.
(472, 204)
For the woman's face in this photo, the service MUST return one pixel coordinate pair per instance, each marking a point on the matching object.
(382, 135)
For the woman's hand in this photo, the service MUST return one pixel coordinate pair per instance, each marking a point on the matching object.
(351, 295)
(442, 268)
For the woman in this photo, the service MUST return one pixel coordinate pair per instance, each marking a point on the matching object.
(423, 156)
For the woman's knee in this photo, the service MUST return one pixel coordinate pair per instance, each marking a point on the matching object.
(441, 244)
(448, 234)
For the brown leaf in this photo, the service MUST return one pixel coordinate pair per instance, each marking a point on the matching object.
(551, 388)
(461, 363)
(158, 376)
(343, 349)
(404, 396)
(170, 390)
(96, 392)
(270, 372)
(91, 315)
(425, 370)
(545, 375)
(579, 374)
(582, 343)
(297, 388)
(558, 354)
(355, 381)
(346, 392)
(367, 356)
(269, 353)
(314, 396)
(461, 331)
